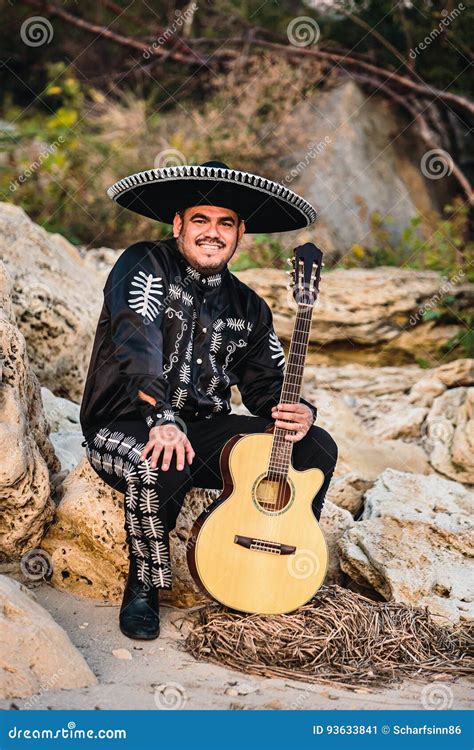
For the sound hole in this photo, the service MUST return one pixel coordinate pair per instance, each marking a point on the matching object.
(272, 495)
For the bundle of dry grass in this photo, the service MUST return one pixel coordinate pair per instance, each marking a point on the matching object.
(338, 637)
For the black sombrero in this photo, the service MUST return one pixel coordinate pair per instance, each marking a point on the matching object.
(266, 206)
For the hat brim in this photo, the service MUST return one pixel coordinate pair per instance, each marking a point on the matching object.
(265, 206)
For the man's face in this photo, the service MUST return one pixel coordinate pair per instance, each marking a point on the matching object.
(208, 236)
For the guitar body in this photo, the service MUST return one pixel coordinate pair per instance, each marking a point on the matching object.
(259, 548)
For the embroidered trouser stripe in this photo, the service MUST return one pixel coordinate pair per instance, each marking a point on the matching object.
(118, 455)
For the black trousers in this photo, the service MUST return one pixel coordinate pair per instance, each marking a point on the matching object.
(154, 497)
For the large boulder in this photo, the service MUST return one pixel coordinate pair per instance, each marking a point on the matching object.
(56, 299)
(449, 438)
(362, 455)
(35, 652)
(66, 435)
(369, 315)
(414, 544)
(27, 454)
(352, 165)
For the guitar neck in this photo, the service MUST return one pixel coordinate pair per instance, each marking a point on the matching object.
(280, 458)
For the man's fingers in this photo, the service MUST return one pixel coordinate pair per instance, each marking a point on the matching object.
(295, 438)
(167, 457)
(156, 454)
(148, 447)
(180, 456)
(288, 425)
(189, 451)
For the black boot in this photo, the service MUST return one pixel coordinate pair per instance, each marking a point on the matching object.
(140, 612)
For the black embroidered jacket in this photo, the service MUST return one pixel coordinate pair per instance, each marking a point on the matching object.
(182, 338)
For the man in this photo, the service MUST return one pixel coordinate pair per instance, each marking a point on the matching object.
(177, 329)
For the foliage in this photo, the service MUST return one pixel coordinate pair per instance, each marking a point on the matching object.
(444, 247)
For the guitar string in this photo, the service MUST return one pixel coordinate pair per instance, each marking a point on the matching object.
(304, 316)
(287, 396)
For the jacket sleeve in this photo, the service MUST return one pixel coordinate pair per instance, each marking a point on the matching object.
(134, 295)
(261, 371)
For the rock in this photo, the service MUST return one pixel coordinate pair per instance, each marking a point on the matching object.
(363, 315)
(334, 522)
(361, 380)
(404, 424)
(359, 450)
(68, 448)
(347, 491)
(101, 259)
(61, 414)
(449, 439)
(26, 450)
(87, 540)
(413, 544)
(122, 653)
(358, 168)
(364, 306)
(434, 383)
(242, 688)
(35, 652)
(57, 300)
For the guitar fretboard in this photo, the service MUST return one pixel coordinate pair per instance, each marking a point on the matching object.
(280, 457)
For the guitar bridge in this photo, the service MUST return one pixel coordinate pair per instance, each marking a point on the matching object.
(262, 545)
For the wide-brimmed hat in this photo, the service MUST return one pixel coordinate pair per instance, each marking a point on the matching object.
(265, 206)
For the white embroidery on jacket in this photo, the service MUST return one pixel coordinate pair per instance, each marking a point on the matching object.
(184, 326)
(145, 299)
(178, 398)
(185, 373)
(276, 347)
(212, 385)
(237, 324)
(175, 291)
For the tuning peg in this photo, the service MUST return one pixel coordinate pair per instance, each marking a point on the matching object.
(289, 260)
(323, 264)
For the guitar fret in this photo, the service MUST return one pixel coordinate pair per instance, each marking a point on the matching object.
(280, 457)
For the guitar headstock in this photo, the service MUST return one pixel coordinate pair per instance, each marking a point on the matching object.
(307, 262)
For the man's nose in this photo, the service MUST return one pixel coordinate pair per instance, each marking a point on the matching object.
(213, 231)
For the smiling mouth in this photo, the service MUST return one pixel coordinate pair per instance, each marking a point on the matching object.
(208, 246)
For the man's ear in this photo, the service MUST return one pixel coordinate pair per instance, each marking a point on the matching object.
(177, 224)
(241, 229)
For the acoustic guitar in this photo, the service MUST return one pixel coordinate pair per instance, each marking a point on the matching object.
(258, 547)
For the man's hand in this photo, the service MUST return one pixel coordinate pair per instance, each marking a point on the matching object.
(297, 417)
(168, 437)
